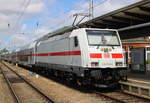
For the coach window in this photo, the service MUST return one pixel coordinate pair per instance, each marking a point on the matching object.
(75, 41)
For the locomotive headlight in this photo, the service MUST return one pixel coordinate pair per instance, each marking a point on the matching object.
(94, 64)
(119, 64)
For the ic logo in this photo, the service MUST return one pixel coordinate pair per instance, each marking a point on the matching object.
(106, 55)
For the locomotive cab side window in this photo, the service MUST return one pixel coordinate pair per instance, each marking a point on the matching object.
(76, 41)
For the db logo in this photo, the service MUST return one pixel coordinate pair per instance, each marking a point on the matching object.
(106, 55)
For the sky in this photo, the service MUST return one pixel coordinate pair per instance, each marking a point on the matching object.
(23, 21)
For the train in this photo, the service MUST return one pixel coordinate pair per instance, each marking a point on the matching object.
(88, 56)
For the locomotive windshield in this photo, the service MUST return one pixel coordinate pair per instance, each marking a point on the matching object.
(102, 37)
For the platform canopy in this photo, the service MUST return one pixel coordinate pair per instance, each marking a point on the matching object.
(131, 21)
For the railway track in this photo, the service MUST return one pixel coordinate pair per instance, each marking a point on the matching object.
(116, 97)
(22, 90)
(120, 97)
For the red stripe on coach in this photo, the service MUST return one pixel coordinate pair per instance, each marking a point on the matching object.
(95, 55)
(117, 55)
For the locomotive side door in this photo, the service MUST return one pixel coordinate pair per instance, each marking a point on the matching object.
(75, 59)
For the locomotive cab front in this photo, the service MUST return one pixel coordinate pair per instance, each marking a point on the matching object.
(105, 49)
(102, 55)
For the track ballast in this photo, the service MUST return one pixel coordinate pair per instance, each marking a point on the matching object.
(22, 90)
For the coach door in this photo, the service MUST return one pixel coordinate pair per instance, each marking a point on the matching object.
(30, 57)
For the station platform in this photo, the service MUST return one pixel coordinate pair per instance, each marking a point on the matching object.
(143, 77)
(137, 84)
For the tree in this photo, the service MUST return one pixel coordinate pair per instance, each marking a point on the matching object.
(4, 51)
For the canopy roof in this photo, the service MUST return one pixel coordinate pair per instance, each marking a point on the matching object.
(131, 21)
(125, 19)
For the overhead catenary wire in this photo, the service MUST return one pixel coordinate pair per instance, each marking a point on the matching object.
(14, 29)
(66, 19)
(26, 4)
(61, 22)
(20, 14)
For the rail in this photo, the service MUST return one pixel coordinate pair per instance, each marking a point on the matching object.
(10, 86)
(33, 86)
(122, 97)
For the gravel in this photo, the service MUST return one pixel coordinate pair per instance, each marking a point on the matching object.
(59, 92)
(5, 93)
